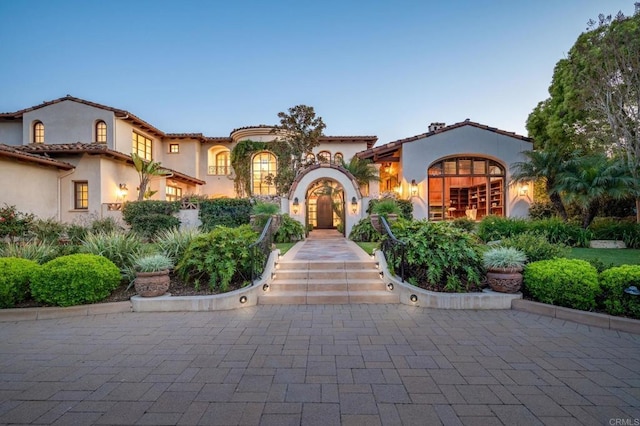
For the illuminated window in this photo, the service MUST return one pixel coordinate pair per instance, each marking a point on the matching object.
(338, 158)
(38, 132)
(173, 193)
(174, 148)
(81, 195)
(263, 171)
(223, 163)
(142, 146)
(310, 158)
(324, 157)
(101, 132)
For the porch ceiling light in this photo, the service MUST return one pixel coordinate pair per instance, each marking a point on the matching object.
(296, 205)
(414, 188)
(354, 205)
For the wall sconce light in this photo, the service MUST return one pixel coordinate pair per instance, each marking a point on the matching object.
(296, 205)
(354, 205)
(414, 188)
(524, 190)
(122, 190)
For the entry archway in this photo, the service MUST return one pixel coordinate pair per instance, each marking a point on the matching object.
(325, 205)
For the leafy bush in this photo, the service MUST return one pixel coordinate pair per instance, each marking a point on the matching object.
(220, 257)
(153, 263)
(405, 207)
(464, 223)
(535, 246)
(504, 258)
(613, 282)
(74, 280)
(572, 283)
(120, 248)
(174, 242)
(14, 224)
(38, 251)
(492, 228)
(268, 209)
(558, 231)
(15, 278)
(541, 211)
(47, 230)
(149, 217)
(363, 231)
(290, 230)
(229, 212)
(76, 233)
(440, 257)
(615, 229)
(385, 207)
(105, 225)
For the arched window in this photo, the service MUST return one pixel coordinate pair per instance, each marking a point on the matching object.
(310, 158)
(471, 187)
(219, 161)
(263, 173)
(223, 163)
(338, 158)
(324, 157)
(101, 132)
(38, 132)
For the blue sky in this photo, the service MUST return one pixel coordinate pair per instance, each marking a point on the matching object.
(384, 68)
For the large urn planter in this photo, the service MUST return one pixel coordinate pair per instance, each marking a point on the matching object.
(152, 284)
(505, 280)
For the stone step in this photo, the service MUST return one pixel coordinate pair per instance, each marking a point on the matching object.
(314, 266)
(328, 297)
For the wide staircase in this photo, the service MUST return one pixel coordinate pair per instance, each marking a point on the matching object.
(327, 269)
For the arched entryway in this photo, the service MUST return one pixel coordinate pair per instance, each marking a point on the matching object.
(325, 205)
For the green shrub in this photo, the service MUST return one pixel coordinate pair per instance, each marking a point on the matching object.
(464, 223)
(269, 209)
(385, 207)
(74, 280)
(290, 230)
(439, 256)
(558, 231)
(149, 217)
(38, 251)
(609, 228)
(106, 225)
(535, 246)
(613, 282)
(76, 233)
(15, 279)
(14, 224)
(363, 231)
(120, 248)
(220, 258)
(492, 228)
(174, 242)
(405, 207)
(229, 212)
(153, 263)
(541, 211)
(47, 230)
(572, 283)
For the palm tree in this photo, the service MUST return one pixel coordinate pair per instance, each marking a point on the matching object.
(146, 170)
(588, 180)
(544, 165)
(362, 170)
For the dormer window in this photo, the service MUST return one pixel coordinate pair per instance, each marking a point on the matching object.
(38, 132)
(101, 132)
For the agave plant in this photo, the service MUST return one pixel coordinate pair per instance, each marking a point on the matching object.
(153, 263)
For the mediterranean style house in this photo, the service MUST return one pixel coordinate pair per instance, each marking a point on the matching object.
(69, 159)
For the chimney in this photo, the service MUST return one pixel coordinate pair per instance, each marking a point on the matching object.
(435, 126)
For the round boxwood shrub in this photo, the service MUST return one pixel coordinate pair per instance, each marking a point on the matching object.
(14, 280)
(74, 280)
(571, 283)
(613, 282)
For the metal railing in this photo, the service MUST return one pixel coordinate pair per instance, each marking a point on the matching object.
(261, 249)
(219, 170)
(394, 250)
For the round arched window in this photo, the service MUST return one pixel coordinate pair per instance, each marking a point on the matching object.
(263, 172)
(471, 187)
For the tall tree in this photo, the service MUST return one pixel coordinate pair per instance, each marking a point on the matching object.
(300, 129)
(362, 170)
(606, 63)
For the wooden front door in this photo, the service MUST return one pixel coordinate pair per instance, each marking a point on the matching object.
(325, 212)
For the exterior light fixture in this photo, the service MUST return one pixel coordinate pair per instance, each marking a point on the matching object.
(265, 287)
(354, 205)
(122, 190)
(296, 205)
(273, 275)
(524, 190)
(413, 298)
(381, 273)
(390, 286)
(414, 188)
(243, 299)
(377, 265)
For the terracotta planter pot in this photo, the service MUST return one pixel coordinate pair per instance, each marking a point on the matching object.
(505, 280)
(377, 223)
(152, 284)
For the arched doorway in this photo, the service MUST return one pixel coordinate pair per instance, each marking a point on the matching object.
(325, 205)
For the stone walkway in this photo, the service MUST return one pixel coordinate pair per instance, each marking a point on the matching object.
(324, 365)
(325, 245)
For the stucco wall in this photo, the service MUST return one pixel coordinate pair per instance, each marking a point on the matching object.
(37, 195)
(185, 161)
(11, 133)
(418, 155)
(67, 122)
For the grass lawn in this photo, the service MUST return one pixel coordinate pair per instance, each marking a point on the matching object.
(284, 247)
(607, 256)
(368, 247)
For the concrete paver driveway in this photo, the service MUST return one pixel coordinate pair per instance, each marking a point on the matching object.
(325, 365)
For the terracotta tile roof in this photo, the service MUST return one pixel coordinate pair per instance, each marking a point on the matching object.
(198, 136)
(392, 147)
(259, 126)
(370, 140)
(8, 151)
(95, 149)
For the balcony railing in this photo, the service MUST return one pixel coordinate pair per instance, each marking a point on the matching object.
(219, 170)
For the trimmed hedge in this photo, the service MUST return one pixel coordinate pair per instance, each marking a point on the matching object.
(229, 212)
(493, 228)
(571, 283)
(16, 276)
(613, 282)
(150, 216)
(74, 280)
(363, 231)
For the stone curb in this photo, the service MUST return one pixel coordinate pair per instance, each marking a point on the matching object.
(594, 319)
(32, 314)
